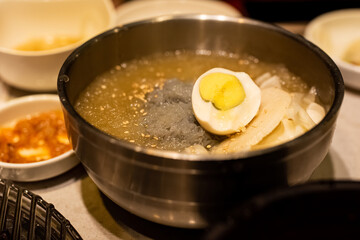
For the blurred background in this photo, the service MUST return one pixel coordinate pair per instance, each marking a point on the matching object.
(284, 10)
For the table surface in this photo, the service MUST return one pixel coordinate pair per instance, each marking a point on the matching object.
(95, 217)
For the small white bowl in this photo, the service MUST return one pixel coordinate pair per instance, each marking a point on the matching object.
(27, 172)
(334, 32)
(138, 10)
(25, 20)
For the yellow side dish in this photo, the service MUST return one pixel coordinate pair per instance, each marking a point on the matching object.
(47, 43)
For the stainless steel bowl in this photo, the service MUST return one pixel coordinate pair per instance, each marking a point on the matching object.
(192, 191)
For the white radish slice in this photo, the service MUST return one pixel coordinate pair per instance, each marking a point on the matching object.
(316, 112)
(196, 149)
(284, 132)
(262, 78)
(274, 104)
(274, 81)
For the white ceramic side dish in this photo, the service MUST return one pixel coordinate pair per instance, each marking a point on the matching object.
(26, 172)
(338, 34)
(64, 23)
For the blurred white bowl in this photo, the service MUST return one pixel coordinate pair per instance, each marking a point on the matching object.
(26, 172)
(138, 10)
(335, 32)
(23, 21)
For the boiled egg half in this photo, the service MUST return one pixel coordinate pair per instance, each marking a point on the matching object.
(224, 102)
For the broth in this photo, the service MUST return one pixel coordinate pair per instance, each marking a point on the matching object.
(116, 101)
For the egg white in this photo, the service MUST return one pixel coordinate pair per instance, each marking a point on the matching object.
(229, 121)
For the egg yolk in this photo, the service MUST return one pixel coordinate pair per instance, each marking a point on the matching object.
(224, 90)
